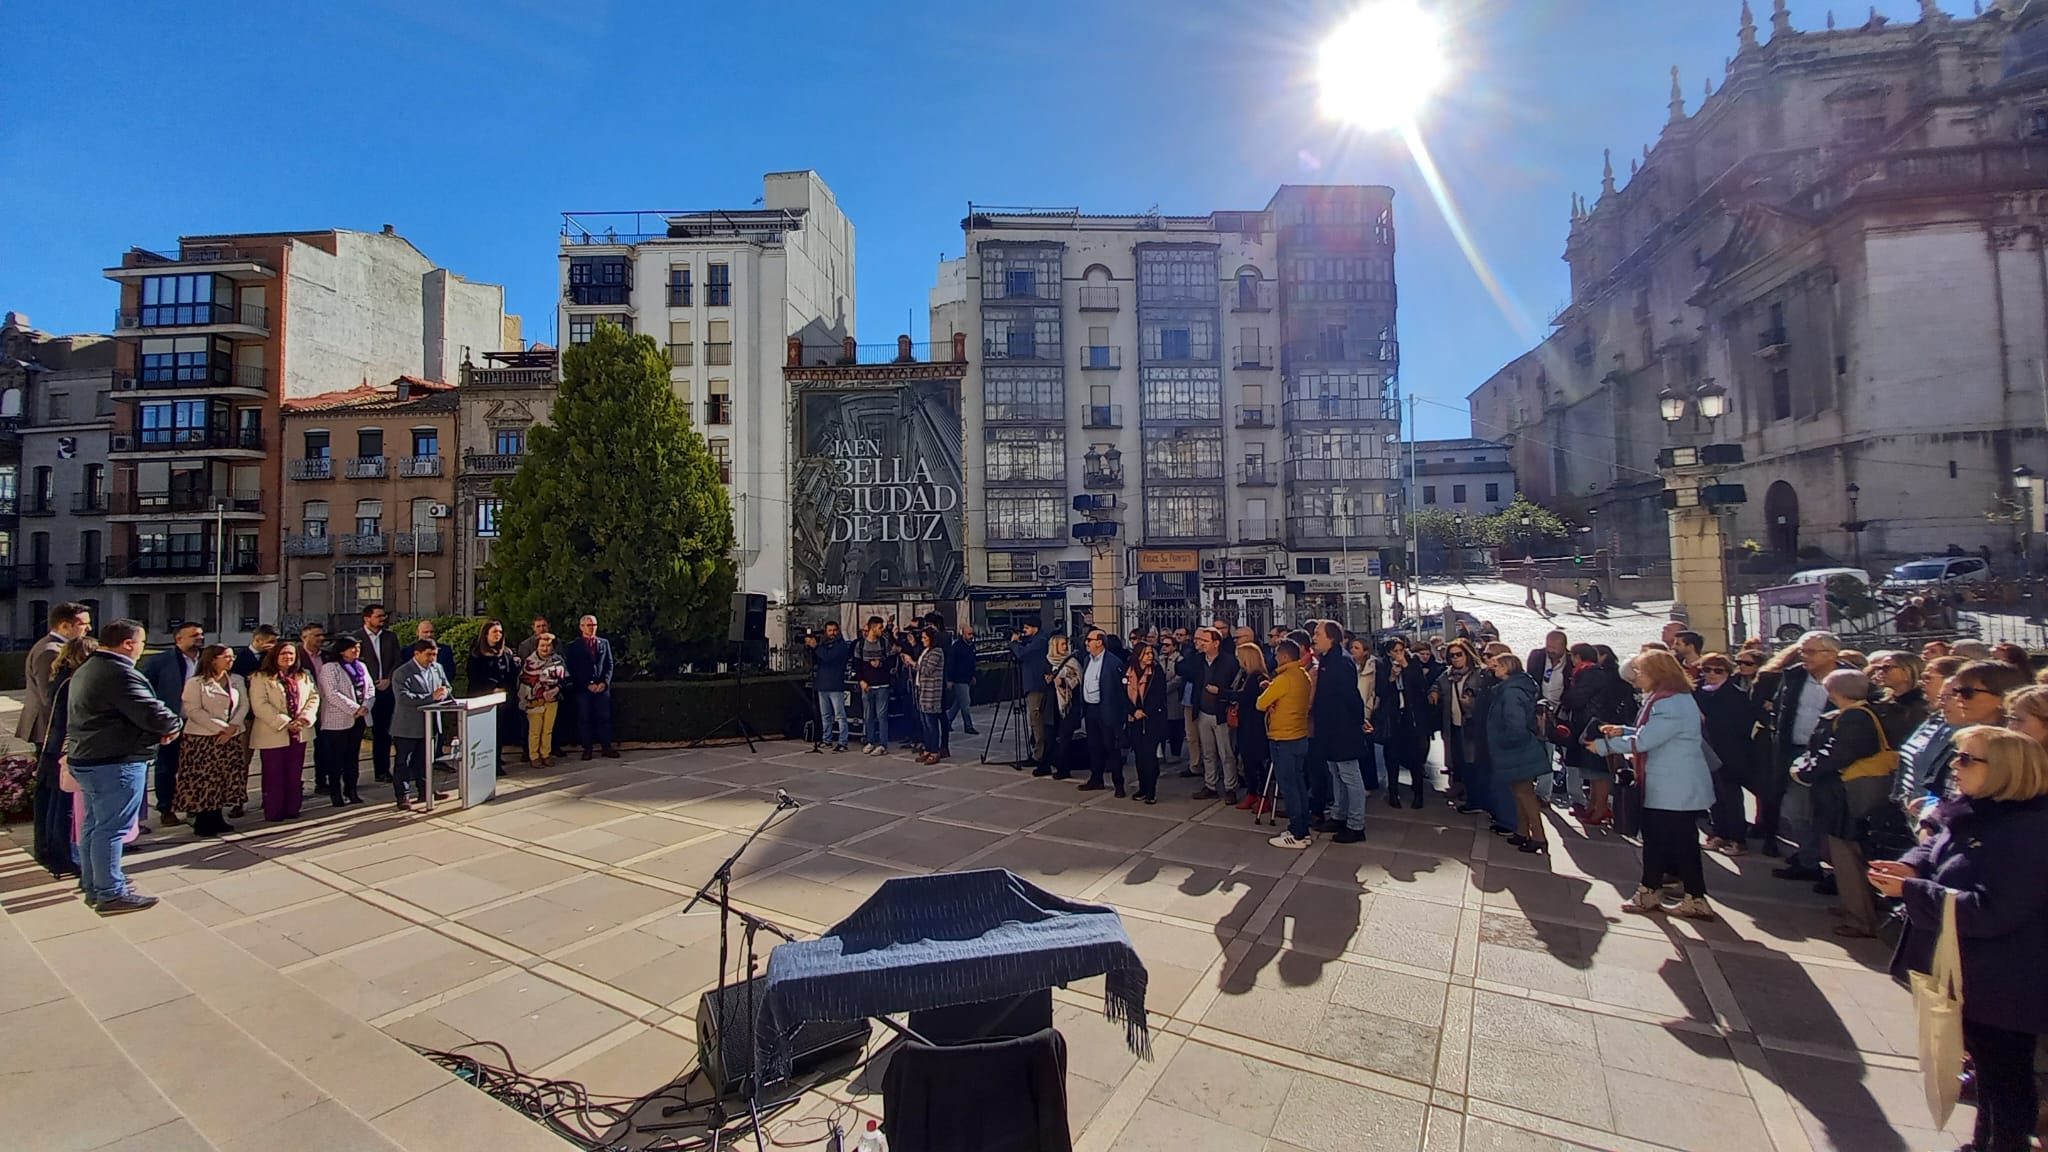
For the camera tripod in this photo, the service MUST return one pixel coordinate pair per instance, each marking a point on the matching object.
(1008, 726)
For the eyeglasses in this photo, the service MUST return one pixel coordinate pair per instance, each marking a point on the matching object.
(1964, 759)
(1745, 663)
(1963, 693)
(1718, 671)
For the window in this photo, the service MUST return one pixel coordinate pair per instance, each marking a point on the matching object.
(1027, 516)
(679, 287)
(682, 350)
(185, 360)
(1311, 565)
(369, 442)
(103, 403)
(487, 515)
(1012, 567)
(358, 585)
(581, 329)
(509, 442)
(369, 517)
(1493, 493)
(718, 402)
(1457, 493)
(718, 342)
(1951, 469)
(1183, 453)
(2037, 122)
(197, 298)
(93, 480)
(1781, 394)
(718, 286)
(1429, 494)
(1183, 513)
(60, 407)
(721, 454)
(315, 517)
(426, 442)
(1179, 338)
(1030, 272)
(1177, 274)
(175, 422)
(1020, 282)
(1027, 454)
(1181, 393)
(1021, 334)
(317, 445)
(1017, 393)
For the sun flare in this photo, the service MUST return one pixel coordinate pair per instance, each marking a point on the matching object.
(1378, 69)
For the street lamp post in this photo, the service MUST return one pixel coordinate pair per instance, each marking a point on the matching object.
(1855, 524)
(1693, 499)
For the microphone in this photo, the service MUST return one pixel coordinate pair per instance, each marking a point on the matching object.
(784, 800)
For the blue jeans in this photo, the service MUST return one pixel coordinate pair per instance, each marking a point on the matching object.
(875, 715)
(934, 725)
(831, 707)
(1290, 758)
(113, 799)
(960, 702)
(1350, 797)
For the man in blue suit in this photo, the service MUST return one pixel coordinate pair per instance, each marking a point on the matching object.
(167, 672)
(1104, 705)
(589, 658)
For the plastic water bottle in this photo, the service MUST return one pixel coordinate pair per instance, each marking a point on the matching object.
(872, 1140)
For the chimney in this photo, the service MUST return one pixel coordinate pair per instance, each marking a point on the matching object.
(959, 347)
(850, 350)
(390, 231)
(793, 353)
(903, 353)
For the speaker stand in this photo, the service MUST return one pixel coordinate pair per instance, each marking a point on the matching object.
(737, 722)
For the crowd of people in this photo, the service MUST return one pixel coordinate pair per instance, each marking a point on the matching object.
(105, 719)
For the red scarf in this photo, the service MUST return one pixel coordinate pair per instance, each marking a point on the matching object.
(1641, 760)
(291, 701)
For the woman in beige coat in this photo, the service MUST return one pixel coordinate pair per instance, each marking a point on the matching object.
(285, 704)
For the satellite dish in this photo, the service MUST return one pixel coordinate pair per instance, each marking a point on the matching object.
(67, 447)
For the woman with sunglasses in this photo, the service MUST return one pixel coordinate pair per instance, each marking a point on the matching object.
(1974, 695)
(1989, 858)
(1730, 719)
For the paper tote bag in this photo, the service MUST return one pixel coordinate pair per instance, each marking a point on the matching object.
(1938, 1000)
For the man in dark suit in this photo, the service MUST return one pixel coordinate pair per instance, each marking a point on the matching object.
(167, 672)
(1104, 705)
(249, 657)
(445, 657)
(589, 657)
(381, 656)
(68, 621)
(1801, 701)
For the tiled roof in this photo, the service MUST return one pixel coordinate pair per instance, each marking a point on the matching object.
(421, 396)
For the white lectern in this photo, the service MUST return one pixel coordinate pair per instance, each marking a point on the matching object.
(473, 753)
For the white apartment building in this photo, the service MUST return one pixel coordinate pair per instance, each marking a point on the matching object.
(726, 290)
(1220, 388)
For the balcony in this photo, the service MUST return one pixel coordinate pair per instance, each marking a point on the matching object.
(1336, 531)
(419, 466)
(365, 544)
(85, 573)
(1102, 357)
(310, 468)
(718, 354)
(1103, 416)
(1258, 531)
(417, 543)
(251, 380)
(1256, 416)
(185, 502)
(1254, 356)
(491, 463)
(997, 412)
(1103, 477)
(34, 575)
(186, 441)
(1772, 343)
(585, 294)
(179, 565)
(9, 506)
(1100, 298)
(718, 408)
(89, 504)
(39, 504)
(1340, 468)
(508, 377)
(1340, 409)
(1028, 535)
(682, 355)
(364, 468)
(305, 545)
(1261, 474)
(247, 320)
(1250, 296)
(1033, 351)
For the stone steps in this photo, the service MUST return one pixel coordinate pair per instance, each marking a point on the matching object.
(151, 1031)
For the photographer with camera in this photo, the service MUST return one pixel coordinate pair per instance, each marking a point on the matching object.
(1027, 648)
(830, 656)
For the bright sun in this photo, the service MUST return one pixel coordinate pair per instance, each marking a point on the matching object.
(1379, 67)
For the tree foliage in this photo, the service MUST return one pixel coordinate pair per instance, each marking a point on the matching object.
(1502, 528)
(618, 511)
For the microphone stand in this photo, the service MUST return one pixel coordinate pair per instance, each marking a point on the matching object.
(722, 881)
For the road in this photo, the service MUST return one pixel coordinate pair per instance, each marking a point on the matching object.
(1623, 629)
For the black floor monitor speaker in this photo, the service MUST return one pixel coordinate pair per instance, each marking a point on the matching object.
(725, 1055)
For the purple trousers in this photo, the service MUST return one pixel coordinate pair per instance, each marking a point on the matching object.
(284, 771)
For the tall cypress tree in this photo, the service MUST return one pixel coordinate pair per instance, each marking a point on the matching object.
(618, 511)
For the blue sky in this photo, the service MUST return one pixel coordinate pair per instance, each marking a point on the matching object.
(471, 125)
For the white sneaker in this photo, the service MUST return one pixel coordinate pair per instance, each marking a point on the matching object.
(874, 749)
(1694, 908)
(1286, 840)
(1645, 902)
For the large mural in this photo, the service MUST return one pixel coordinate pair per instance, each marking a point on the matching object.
(877, 489)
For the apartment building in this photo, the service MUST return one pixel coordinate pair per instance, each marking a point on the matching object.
(1466, 476)
(1206, 400)
(56, 408)
(368, 496)
(497, 406)
(725, 289)
(215, 336)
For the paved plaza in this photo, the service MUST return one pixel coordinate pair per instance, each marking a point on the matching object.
(1427, 991)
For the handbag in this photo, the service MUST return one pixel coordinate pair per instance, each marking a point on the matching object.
(1938, 1002)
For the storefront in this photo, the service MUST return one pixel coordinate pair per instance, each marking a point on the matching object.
(1169, 587)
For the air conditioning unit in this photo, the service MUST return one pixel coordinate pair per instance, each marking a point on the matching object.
(125, 384)
(1209, 567)
(121, 442)
(438, 511)
(1047, 571)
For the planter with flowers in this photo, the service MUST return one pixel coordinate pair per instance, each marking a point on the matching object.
(17, 785)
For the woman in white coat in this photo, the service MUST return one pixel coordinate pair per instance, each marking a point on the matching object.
(1668, 745)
